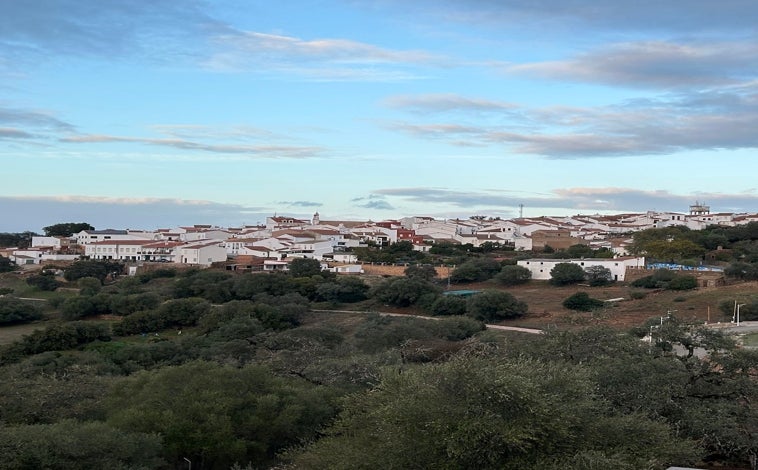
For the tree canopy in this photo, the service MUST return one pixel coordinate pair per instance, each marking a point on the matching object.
(66, 229)
(566, 273)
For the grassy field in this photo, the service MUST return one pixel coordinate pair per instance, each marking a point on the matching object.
(545, 303)
(544, 300)
(9, 334)
(750, 341)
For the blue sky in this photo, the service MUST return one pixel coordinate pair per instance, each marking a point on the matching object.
(146, 114)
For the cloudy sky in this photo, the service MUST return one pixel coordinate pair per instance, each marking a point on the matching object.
(153, 113)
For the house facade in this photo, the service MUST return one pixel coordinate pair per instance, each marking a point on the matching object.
(540, 267)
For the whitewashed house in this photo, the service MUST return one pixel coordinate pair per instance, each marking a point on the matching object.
(540, 268)
(203, 254)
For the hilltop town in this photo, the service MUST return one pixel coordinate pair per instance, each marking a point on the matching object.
(272, 246)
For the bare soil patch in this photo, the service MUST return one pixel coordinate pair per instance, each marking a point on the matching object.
(546, 309)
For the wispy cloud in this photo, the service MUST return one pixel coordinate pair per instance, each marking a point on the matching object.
(13, 134)
(444, 102)
(700, 16)
(705, 120)
(579, 199)
(300, 203)
(33, 119)
(372, 201)
(34, 31)
(35, 212)
(656, 64)
(316, 59)
(253, 151)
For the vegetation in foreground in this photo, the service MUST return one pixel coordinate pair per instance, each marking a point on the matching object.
(224, 370)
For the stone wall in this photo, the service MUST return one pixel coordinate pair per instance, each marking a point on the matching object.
(395, 270)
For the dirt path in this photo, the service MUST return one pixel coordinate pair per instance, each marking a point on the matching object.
(392, 314)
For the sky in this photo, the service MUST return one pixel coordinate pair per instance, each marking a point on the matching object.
(158, 113)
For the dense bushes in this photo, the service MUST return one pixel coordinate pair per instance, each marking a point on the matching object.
(58, 337)
(171, 314)
(45, 281)
(448, 305)
(666, 279)
(582, 301)
(566, 273)
(475, 270)
(15, 311)
(512, 275)
(92, 268)
(493, 306)
(404, 291)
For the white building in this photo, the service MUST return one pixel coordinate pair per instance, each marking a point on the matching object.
(123, 250)
(540, 268)
(86, 237)
(51, 242)
(203, 254)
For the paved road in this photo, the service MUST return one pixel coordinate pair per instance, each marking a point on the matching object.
(732, 328)
(391, 314)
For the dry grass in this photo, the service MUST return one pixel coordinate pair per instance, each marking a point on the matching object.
(9, 334)
(545, 304)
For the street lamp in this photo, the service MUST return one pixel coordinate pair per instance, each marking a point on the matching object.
(738, 313)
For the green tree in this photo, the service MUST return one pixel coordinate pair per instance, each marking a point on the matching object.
(491, 414)
(6, 265)
(582, 301)
(598, 276)
(15, 311)
(682, 282)
(89, 286)
(493, 305)
(404, 292)
(426, 272)
(566, 273)
(512, 275)
(76, 308)
(66, 229)
(475, 270)
(92, 268)
(44, 281)
(59, 337)
(343, 290)
(448, 305)
(77, 446)
(218, 415)
(304, 267)
(743, 271)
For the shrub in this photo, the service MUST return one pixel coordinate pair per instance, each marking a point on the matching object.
(658, 279)
(424, 271)
(637, 294)
(475, 270)
(43, 281)
(404, 291)
(598, 276)
(566, 273)
(511, 275)
(15, 311)
(343, 290)
(495, 305)
(89, 285)
(682, 283)
(92, 268)
(583, 302)
(61, 337)
(448, 305)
